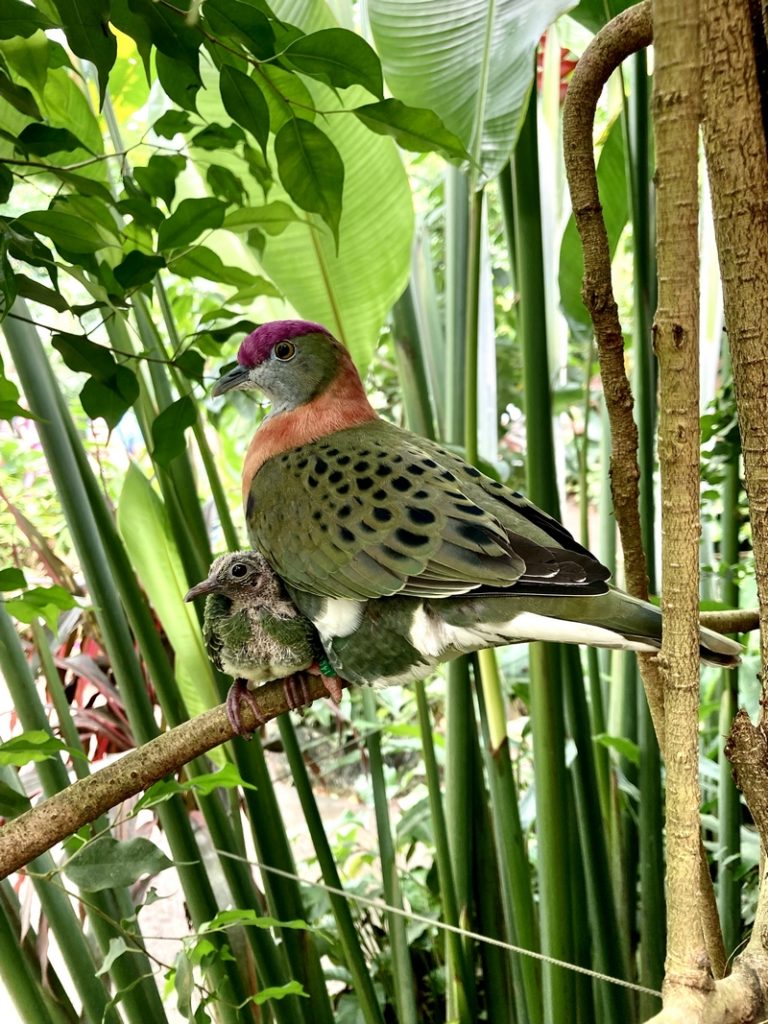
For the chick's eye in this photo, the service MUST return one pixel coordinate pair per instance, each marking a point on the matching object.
(239, 569)
(284, 350)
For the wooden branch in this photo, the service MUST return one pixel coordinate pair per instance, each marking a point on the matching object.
(627, 33)
(37, 830)
(676, 109)
(735, 620)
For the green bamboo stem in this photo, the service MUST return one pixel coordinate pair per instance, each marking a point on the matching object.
(348, 933)
(599, 892)
(585, 998)
(456, 247)
(198, 429)
(402, 973)
(729, 803)
(61, 446)
(66, 725)
(471, 327)
(548, 727)
(283, 894)
(412, 373)
(652, 912)
(515, 871)
(129, 974)
(461, 986)
(20, 977)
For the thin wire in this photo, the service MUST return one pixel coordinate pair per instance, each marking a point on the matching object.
(489, 940)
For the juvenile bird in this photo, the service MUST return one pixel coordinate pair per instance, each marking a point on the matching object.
(255, 633)
(400, 553)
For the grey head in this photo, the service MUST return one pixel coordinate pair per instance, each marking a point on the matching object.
(245, 577)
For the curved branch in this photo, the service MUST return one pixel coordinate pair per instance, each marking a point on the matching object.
(627, 33)
(37, 830)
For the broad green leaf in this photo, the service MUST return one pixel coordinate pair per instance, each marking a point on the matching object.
(115, 950)
(12, 578)
(311, 170)
(244, 102)
(158, 178)
(337, 57)
(243, 23)
(110, 398)
(143, 524)
(225, 185)
(20, 19)
(191, 364)
(168, 440)
(624, 747)
(216, 136)
(286, 95)
(612, 185)
(470, 61)
(137, 269)
(181, 80)
(9, 407)
(84, 356)
(171, 123)
(35, 745)
(273, 218)
(291, 988)
(64, 229)
(190, 218)
(171, 34)
(241, 918)
(86, 26)
(594, 14)
(42, 140)
(19, 97)
(412, 128)
(28, 288)
(227, 777)
(204, 262)
(8, 285)
(12, 802)
(106, 863)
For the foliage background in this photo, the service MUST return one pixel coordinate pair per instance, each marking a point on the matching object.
(169, 182)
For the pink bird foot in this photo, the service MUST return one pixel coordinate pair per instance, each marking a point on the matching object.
(239, 692)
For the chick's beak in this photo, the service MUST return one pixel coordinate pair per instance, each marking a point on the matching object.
(201, 590)
(236, 378)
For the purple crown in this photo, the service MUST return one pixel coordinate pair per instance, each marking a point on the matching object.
(259, 343)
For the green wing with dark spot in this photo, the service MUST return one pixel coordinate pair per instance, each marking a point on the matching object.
(373, 511)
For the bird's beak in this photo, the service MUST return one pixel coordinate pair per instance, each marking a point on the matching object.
(236, 378)
(201, 590)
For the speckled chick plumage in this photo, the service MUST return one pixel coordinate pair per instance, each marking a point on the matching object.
(400, 553)
(251, 627)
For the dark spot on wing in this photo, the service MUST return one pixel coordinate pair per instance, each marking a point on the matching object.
(383, 515)
(320, 466)
(346, 535)
(364, 483)
(422, 516)
(410, 539)
(401, 483)
(335, 477)
(384, 470)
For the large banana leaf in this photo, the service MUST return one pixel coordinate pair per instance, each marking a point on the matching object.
(471, 61)
(143, 524)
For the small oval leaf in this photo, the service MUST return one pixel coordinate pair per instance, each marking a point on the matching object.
(244, 102)
(311, 170)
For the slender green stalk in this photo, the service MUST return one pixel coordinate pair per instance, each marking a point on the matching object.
(599, 892)
(456, 248)
(547, 720)
(198, 429)
(652, 915)
(412, 373)
(515, 872)
(577, 866)
(402, 973)
(58, 697)
(129, 973)
(471, 336)
(20, 976)
(283, 894)
(348, 933)
(81, 509)
(459, 975)
(728, 803)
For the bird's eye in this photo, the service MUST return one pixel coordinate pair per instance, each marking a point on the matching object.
(284, 350)
(239, 569)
